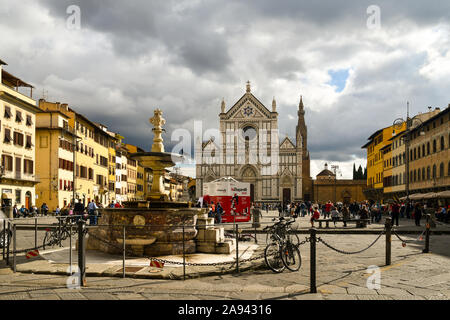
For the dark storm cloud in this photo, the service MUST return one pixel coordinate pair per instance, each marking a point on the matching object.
(184, 56)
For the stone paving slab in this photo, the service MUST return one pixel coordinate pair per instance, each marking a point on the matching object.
(338, 277)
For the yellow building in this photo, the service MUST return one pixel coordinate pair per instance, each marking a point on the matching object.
(131, 173)
(386, 159)
(54, 137)
(398, 165)
(386, 152)
(113, 144)
(17, 147)
(136, 174)
(375, 168)
(91, 157)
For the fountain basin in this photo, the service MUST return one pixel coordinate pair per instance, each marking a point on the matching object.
(149, 231)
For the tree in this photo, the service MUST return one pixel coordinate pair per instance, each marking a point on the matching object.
(360, 175)
(354, 171)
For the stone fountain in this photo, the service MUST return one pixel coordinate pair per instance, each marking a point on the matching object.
(156, 225)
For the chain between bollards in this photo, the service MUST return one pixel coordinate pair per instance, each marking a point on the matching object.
(388, 227)
(427, 235)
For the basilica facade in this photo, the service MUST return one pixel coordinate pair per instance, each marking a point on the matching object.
(249, 149)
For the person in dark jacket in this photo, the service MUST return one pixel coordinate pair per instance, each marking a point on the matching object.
(418, 213)
(395, 213)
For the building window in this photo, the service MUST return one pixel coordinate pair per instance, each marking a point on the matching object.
(441, 170)
(7, 138)
(442, 143)
(434, 146)
(8, 113)
(428, 173)
(19, 117)
(428, 148)
(18, 139)
(29, 122)
(7, 162)
(27, 166)
(18, 196)
(434, 171)
(28, 144)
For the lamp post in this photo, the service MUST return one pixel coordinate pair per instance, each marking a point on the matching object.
(398, 124)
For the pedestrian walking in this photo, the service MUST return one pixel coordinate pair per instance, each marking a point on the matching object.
(395, 209)
(334, 215)
(418, 214)
(92, 208)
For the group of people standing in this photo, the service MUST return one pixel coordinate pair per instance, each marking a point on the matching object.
(32, 212)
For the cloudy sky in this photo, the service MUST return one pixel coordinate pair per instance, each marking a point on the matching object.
(129, 57)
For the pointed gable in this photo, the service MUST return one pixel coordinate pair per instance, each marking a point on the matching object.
(255, 108)
(287, 144)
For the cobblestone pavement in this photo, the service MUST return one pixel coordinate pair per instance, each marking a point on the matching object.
(412, 275)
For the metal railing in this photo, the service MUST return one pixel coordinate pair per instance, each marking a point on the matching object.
(239, 232)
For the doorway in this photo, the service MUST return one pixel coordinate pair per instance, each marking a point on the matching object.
(252, 192)
(28, 200)
(286, 195)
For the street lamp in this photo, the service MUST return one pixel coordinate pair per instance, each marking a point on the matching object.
(336, 170)
(398, 124)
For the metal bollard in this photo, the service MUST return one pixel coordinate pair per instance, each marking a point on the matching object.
(59, 232)
(184, 257)
(237, 249)
(35, 233)
(123, 262)
(70, 249)
(427, 235)
(4, 238)
(312, 267)
(256, 239)
(14, 248)
(7, 249)
(81, 253)
(388, 226)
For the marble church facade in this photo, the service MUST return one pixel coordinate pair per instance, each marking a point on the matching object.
(249, 150)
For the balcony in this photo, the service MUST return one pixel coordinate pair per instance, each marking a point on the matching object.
(19, 176)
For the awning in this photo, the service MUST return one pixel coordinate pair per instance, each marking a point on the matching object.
(416, 196)
(430, 195)
(7, 196)
(443, 194)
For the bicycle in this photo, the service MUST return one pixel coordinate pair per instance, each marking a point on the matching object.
(283, 229)
(7, 236)
(58, 233)
(282, 252)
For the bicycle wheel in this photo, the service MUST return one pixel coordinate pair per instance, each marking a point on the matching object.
(7, 236)
(49, 239)
(294, 239)
(272, 256)
(291, 257)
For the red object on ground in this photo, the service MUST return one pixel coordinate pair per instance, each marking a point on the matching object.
(156, 264)
(32, 254)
